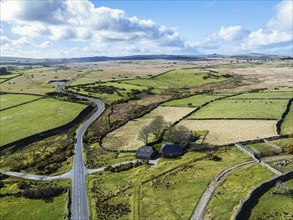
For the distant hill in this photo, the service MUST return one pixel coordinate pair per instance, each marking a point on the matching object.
(31, 61)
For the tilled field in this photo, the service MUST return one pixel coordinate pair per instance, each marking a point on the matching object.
(125, 137)
(229, 131)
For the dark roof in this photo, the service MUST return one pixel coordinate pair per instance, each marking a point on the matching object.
(146, 152)
(170, 149)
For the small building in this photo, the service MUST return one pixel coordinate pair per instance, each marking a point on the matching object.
(146, 153)
(171, 150)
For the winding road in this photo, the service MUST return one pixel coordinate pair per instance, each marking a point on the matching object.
(78, 171)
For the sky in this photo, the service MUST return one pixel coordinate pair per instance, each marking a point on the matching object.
(82, 28)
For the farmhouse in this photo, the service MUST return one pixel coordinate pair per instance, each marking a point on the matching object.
(146, 153)
(171, 150)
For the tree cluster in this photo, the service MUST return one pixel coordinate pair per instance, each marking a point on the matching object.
(155, 128)
(3, 71)
(180, 135)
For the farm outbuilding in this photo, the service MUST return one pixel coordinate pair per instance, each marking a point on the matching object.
(171, 150)
(146, 153)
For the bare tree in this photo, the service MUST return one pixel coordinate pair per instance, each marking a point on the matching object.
(144, 134)
(157, 126)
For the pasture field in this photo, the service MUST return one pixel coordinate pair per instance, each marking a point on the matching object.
(35, 80)
(230, 131)
(283, 169)
(283, 142)
(10, 100)
(154, 199)
(196, 100)
(9, 76)
(121, 70)
(242, 109)
(235, 188)
(32, 209)
(263, 148)
(287, 125)
(152, 82)
(277, 207)
(189, 77)
(96, 157)
(35, 117)
(50, 156)
(125, 137)
(20, 208)
(113, 91)
(276, 94)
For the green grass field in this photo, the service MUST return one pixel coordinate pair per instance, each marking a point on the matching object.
(277, 207)
(287, 125)
(9, 76)
(283, 142)
(35, 117)
(122, 91)
(149, 83)
(283, 94)
(235, 188)
(263, 148)
(13, 208)
(189, 77)
(9, 100)
(20, 208)
(35, 80)
(242, 109)
(196, 100)
(170, 196)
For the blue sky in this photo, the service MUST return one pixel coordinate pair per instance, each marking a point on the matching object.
(64, 28)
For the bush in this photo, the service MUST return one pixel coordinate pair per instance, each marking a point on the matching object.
(1, 184)
(123, 167)
(43, 193)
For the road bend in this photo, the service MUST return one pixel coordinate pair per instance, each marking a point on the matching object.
(79, 192)
(78, 171)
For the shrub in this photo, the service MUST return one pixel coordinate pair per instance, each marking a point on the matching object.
(43, 193)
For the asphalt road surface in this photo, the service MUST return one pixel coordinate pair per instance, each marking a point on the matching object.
(79, 193)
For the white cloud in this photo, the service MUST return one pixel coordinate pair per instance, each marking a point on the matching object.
(283, 20)
(45, 44)
(81, 20)
(277, 33)
(232, 33)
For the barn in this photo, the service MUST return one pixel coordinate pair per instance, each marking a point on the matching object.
(171, 150)
(146, 153)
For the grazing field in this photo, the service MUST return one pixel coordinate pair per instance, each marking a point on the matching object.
(196, 100)
(153, 83)
(283, 142)
(230, 131)
(35, 117)
(154, 199)
(234, 189)
(96, 157)
(125, 137)
(10, 100)
(8, 76)
(35, 80)
(20, 208)
(109, 91)
(121, 70)
(287, 125)
(283, 94)
(275, 206)
(264, 148)
(189, 77)
(32, 209)
(242, 109)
